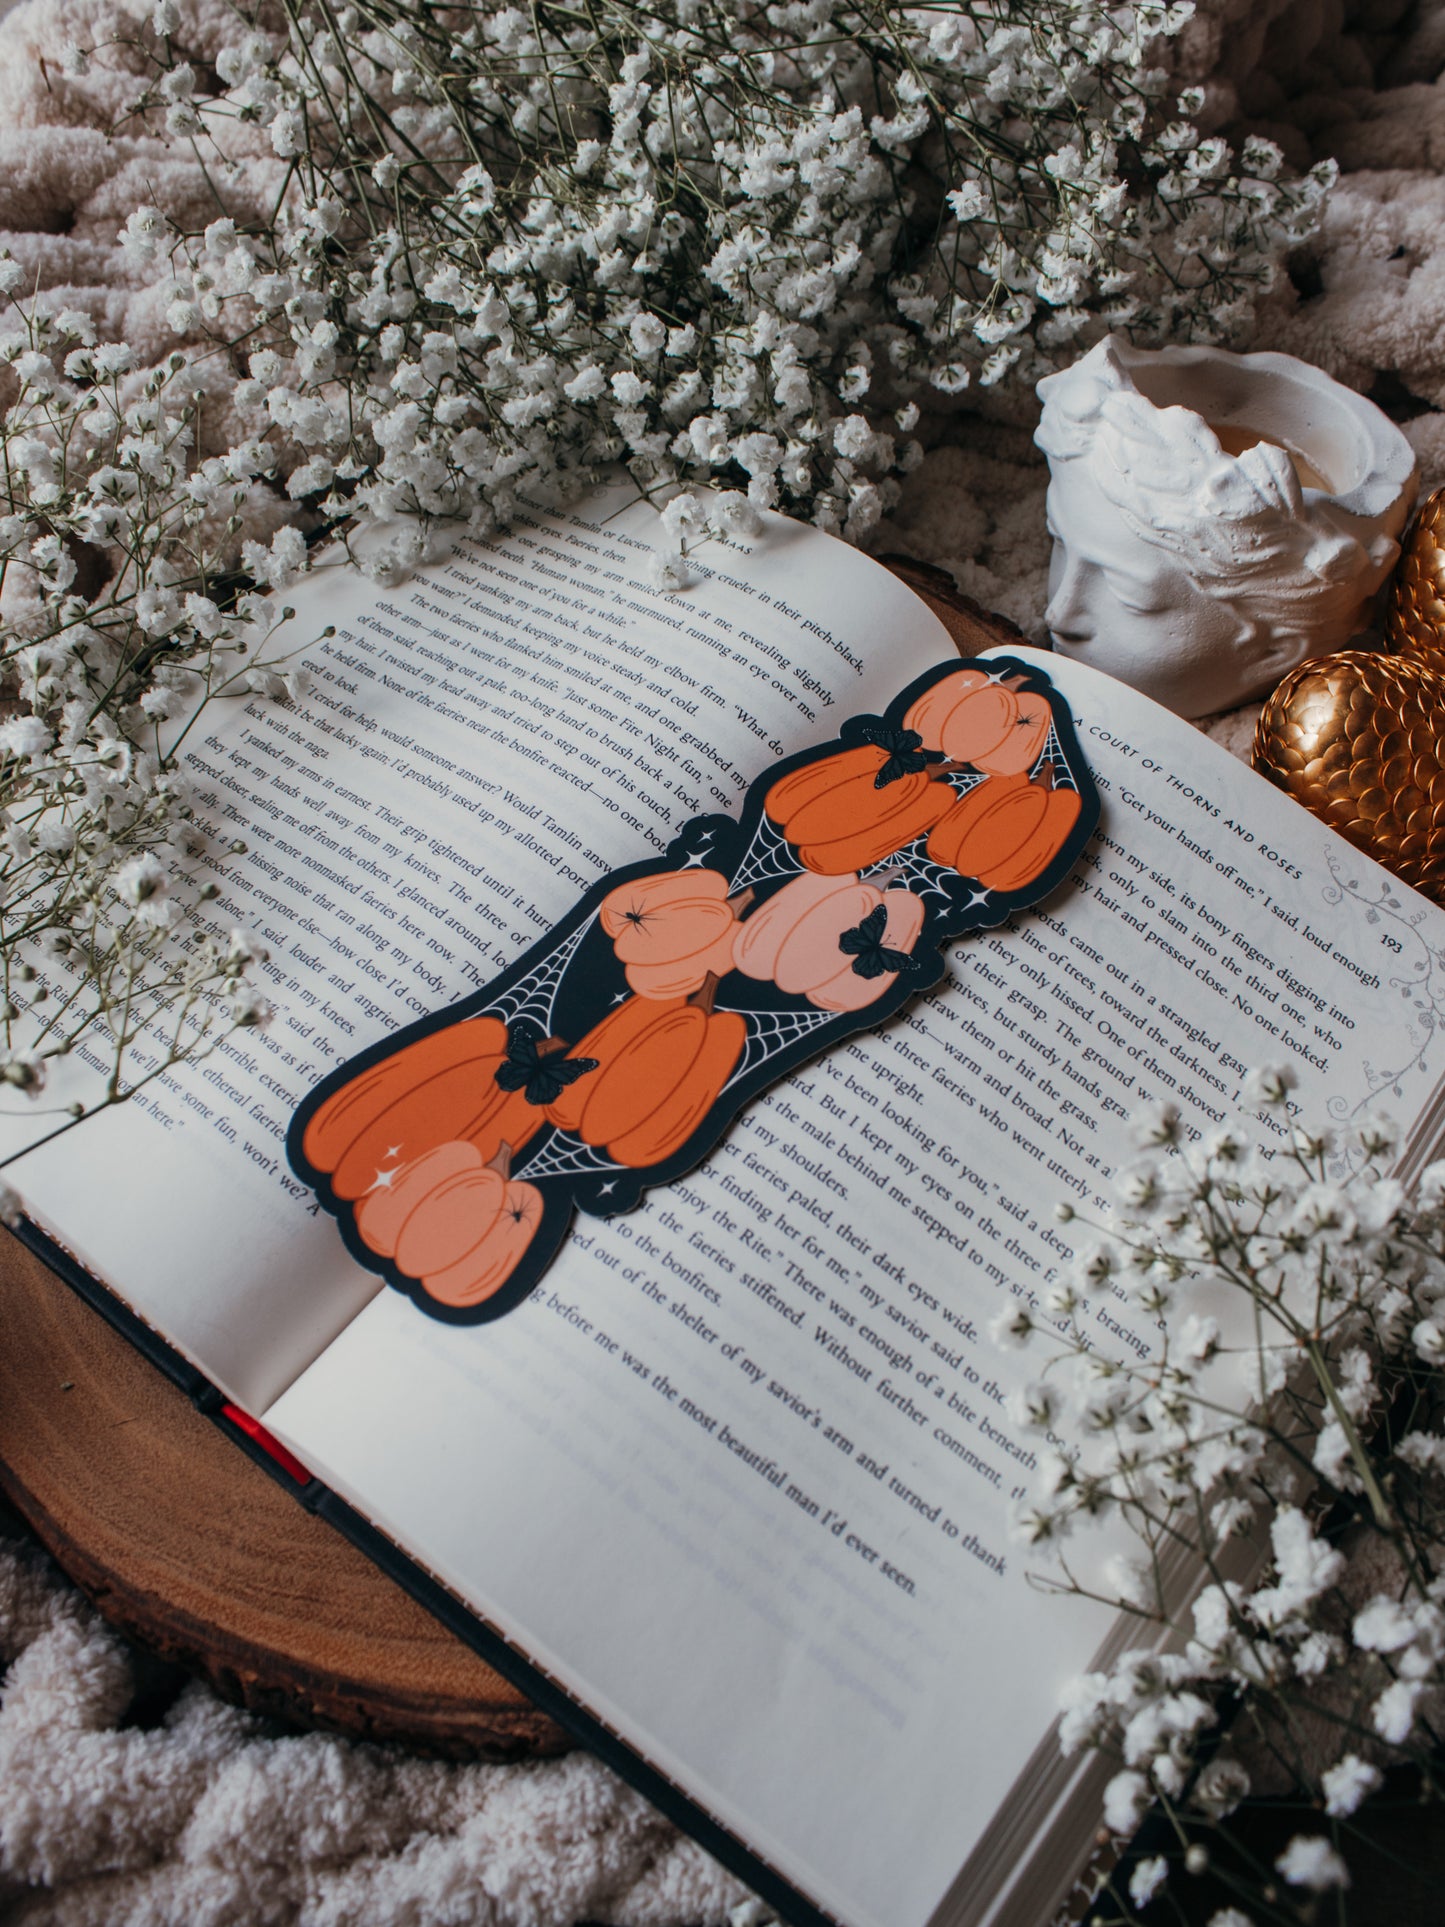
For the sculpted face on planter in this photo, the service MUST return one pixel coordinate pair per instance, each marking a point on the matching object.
(1216, 518)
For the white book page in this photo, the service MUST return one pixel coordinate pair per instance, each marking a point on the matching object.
(481, 743)
(738, 1474)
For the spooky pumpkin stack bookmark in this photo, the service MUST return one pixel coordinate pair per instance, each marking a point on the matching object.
(613, 1054)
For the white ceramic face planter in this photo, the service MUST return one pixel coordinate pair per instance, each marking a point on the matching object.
(1216, 518)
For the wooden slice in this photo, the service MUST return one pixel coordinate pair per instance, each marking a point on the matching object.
(193, 1552)
(972, 627)
(190, 1549)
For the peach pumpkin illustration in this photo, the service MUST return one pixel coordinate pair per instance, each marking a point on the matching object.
(660, 1068)
(454, 1221)
(997, 727)
(858, 806)
(928, 713)
(442, 1088)
(490, 1263)
(1007, 829)
(671, 929)
(837, 941)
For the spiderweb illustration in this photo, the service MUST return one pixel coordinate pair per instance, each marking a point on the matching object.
(561, 1156)
(769, 855)
(1053, 752)
(913, 867)
(534, 996)
(770, 1032)
(961, 781)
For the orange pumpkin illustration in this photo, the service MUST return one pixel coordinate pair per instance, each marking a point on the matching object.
(858, 806)
(440, 1089)
(454, 1221)
(610, 1038)
(661, 1067)
(997, 727)
(1007, 829)
(837, 941)
(671, 929)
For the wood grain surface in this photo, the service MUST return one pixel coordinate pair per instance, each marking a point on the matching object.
(190, 1549)
(194, 1553)
(972, 627)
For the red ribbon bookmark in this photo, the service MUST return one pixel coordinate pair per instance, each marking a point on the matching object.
(254, 1429)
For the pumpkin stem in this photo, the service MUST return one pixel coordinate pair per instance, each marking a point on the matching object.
(742, 902)
(502, 1162)
(1044, 779)
(549, 1044)
(1014, 682)
(706, 992)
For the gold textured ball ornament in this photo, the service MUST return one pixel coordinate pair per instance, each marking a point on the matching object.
(1360, 740)
(1415, 617)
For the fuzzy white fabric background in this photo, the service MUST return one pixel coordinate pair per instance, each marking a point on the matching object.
(210, 1818)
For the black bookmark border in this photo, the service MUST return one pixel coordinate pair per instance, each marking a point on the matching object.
(725, 842)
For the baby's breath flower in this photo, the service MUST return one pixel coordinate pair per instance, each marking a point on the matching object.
(1127, 1798)
(1316, 1653)
(1038, 1525)
(732, 514)
(683, 518)
(1347, 1783)
(1147, 1879)
(1085, 1711)
(140, 880)
(1012, 1327)
(1061, 1302)
(1332, 1457)
(1310, 1861)
(1422, 1451)
(24, 736)
(1035, 1407)
(1221, 1785)
(1378, 1135)
(1230, 1516)
(669, 570)
(1131, 1580)
(249, 1009)
(1156, 1123)
(21, 1071)
(242, 950)
(1095, 1265)
(1383, 1626)
(1198, 1338)
(1268, 1087)
(1394, 1711)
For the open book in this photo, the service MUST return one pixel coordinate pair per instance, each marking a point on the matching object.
(735, 1479)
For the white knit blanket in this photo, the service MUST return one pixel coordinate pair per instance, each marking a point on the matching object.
(209, 1819)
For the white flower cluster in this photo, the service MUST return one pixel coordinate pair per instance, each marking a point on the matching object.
(717, 244)
(453, 254)
(120, 619)
(1331, 1280)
